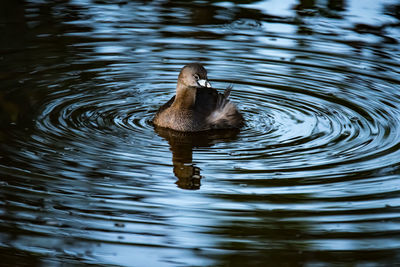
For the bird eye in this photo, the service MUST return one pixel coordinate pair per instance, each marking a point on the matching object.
(196, 76)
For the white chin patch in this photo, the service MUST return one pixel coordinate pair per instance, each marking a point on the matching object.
(204, 83)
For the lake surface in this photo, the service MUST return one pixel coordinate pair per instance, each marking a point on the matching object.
(313, 179)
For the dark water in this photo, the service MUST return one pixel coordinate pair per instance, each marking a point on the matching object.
(313, 178)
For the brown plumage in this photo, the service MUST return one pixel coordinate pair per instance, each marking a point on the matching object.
(196, 106)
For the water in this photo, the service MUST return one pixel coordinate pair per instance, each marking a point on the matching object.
(312, 179)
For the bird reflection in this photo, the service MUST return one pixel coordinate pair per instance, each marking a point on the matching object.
(182, 145)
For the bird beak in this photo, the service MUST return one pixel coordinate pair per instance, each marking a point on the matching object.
(204, 83)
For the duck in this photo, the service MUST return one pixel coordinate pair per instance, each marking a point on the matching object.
(197, 106)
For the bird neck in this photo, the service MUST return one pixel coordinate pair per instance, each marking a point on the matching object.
(185, 97)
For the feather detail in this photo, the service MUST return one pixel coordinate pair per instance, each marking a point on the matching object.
(224, 111)
(223, 99)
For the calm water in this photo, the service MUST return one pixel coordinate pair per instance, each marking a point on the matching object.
(312, 179)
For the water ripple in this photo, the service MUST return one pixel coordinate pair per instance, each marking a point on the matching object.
(312, 176)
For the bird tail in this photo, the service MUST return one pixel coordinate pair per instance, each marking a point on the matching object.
(224, 109)
(223, 98)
